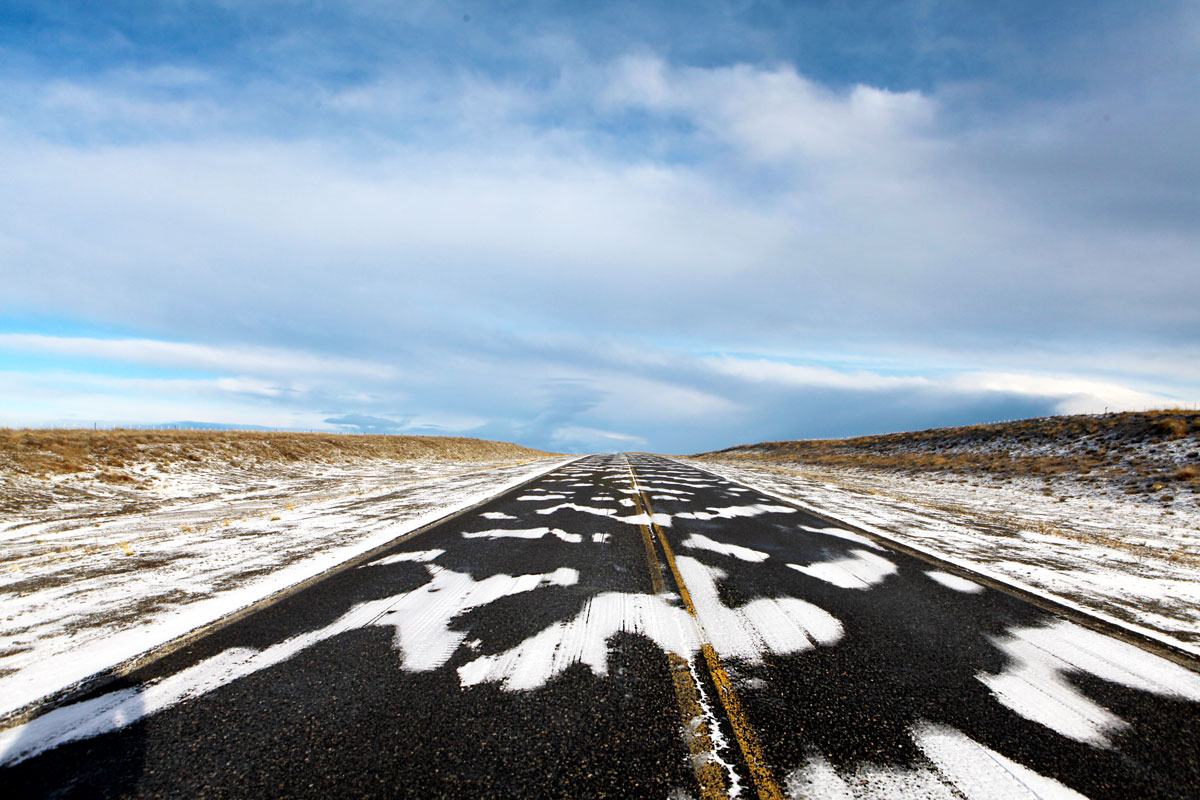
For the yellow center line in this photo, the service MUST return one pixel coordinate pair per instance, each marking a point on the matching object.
(687, 695)
(764, 782)
(695, 728)
(656, 581)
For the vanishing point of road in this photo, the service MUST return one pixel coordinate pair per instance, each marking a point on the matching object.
(630, 626)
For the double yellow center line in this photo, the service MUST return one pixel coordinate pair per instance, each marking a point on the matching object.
(687, 694)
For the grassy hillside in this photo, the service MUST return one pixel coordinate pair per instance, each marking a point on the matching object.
(112, 454)
(1153, 452)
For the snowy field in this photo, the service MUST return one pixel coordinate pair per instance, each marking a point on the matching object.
(1135, 562)
(99, 581)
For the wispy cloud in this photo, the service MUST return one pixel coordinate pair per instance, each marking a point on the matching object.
(183, 355)
(799, 375)
(774, 114)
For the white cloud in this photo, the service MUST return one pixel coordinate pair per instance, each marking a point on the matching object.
(57, 398)
(797, 375)
(184, 355)
(582, 437)
(776, 113)
(878, 213)
(1070, 393)
(650, 400)
(100, 106)
(249, 386)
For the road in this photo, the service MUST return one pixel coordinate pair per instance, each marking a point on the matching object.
(629, 626)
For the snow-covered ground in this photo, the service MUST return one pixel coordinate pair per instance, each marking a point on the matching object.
(1116, 556)
(100, 581)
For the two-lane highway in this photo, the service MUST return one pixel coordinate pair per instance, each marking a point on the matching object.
(628, 626)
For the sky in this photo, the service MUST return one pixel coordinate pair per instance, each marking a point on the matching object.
(587, 227)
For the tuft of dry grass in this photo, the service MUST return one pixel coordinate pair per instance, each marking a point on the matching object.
(1188, 472)
(1172, 427)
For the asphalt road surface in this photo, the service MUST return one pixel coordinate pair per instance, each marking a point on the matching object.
(627, 626)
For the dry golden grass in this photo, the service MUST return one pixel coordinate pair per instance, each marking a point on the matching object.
(1172, 427)
(109, 453)
(1190, 472)
(1117, 449)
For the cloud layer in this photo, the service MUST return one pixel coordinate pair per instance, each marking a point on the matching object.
(583, 235)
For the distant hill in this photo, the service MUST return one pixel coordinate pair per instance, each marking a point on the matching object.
(1142, 452)
(207, 426)
(114, 453)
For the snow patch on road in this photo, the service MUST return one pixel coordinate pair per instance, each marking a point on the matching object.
(767, 625)
(849, 536)
(819, 780)
(778, 625)
(1034, 684)
(861, 571)
(661, 520)
(699, 541)
(602, 512)
(528, 533)
(959, 767)
(398, 558)
(496, 515)
(584, 639)
(954, 582)
(421, 619)
(980, 772)
(733, 512)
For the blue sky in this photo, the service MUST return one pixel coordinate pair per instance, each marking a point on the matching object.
(587, 227)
